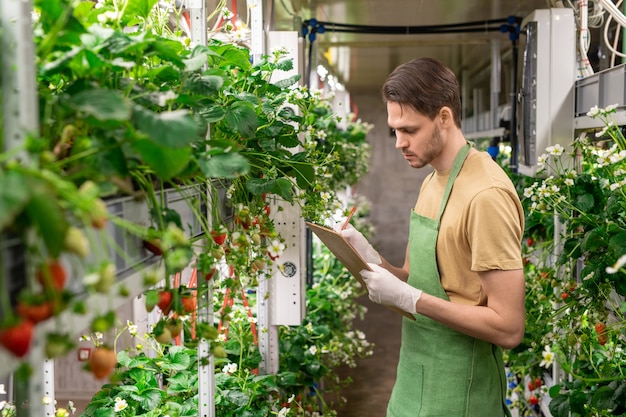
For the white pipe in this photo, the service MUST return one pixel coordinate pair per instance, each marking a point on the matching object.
(583, 45)
(614, 11)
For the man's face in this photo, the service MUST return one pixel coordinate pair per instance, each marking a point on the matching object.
(417, 137)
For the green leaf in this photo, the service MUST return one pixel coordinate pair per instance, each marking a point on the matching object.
(180, 383)
(204, 84)
(150, 399)
(236, 397)
(584, 202)
(284, 188)
(123, 359)
(212, 114)
(232, 55)
(603, 398)
(140, 8)
(225, 165)
(259, 186)
(595, 239)
(287, 82)
(163, 74)
(559, 406)
(129, 388)
(554, 390)
(578, 402)
(178, 361)
(14, 194)
(105, 412)
(102, 104)
(169, 50)
(174, 129)
(304, 174)
(285, 64)
(195, 63)
(241, 117)
(48, 217)
(166, 162)
(617, 243)
(280, 186)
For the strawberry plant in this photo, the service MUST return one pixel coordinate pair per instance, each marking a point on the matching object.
(576, 283)
(125, 111)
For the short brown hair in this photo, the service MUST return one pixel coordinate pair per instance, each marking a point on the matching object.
(426, 85)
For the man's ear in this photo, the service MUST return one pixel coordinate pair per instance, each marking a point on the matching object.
(446, 116)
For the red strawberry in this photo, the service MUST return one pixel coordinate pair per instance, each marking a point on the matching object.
(209, 275)
(102, 361)
(219, 237)
(35, 312)
(188, 303)
(600, 327)
(603, 337)
(530, 241)
(533, 400)
(52, 275)
(16, 338)
(165, 301)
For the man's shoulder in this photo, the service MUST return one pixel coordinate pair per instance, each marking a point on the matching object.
(481, 171)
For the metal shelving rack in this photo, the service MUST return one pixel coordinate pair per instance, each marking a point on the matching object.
(19, 107)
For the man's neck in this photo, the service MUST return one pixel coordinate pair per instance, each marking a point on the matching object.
(445, 160)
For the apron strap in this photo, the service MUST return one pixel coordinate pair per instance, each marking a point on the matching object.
(459, 159)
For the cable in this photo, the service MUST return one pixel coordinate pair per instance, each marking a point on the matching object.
(612, 9)
(478, 26)
(412, 31)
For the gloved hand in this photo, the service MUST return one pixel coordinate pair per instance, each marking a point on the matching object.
(360, 243)
(385, 288)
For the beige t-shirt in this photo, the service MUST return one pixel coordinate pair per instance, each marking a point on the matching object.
(481, 228)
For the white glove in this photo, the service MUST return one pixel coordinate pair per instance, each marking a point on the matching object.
(360, 243)
(385, 288)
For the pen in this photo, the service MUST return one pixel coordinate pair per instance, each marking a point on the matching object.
(345, 224)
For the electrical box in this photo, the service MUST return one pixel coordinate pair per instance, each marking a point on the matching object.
(548, 72)
(288, 282)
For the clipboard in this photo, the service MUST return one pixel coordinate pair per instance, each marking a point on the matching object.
(347, 255)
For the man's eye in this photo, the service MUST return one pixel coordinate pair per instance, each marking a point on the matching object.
(392, 132)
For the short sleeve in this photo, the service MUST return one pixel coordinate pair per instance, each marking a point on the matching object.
(494, 230)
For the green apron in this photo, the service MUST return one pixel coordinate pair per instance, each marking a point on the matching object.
(442, 372)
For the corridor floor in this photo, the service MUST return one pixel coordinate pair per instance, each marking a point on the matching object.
(374, 376)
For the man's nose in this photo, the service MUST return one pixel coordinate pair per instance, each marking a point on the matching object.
(401, 141)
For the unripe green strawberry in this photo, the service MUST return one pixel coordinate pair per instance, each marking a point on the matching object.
(76, 242)
(98, 214)
(164, 337)
(175, 326)
(217, 253)
(107, 278)
(218, 351)
(152, 299)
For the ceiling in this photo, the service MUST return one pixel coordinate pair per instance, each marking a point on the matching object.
(362, 61)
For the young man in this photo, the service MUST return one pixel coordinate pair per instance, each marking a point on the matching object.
(463, 275)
